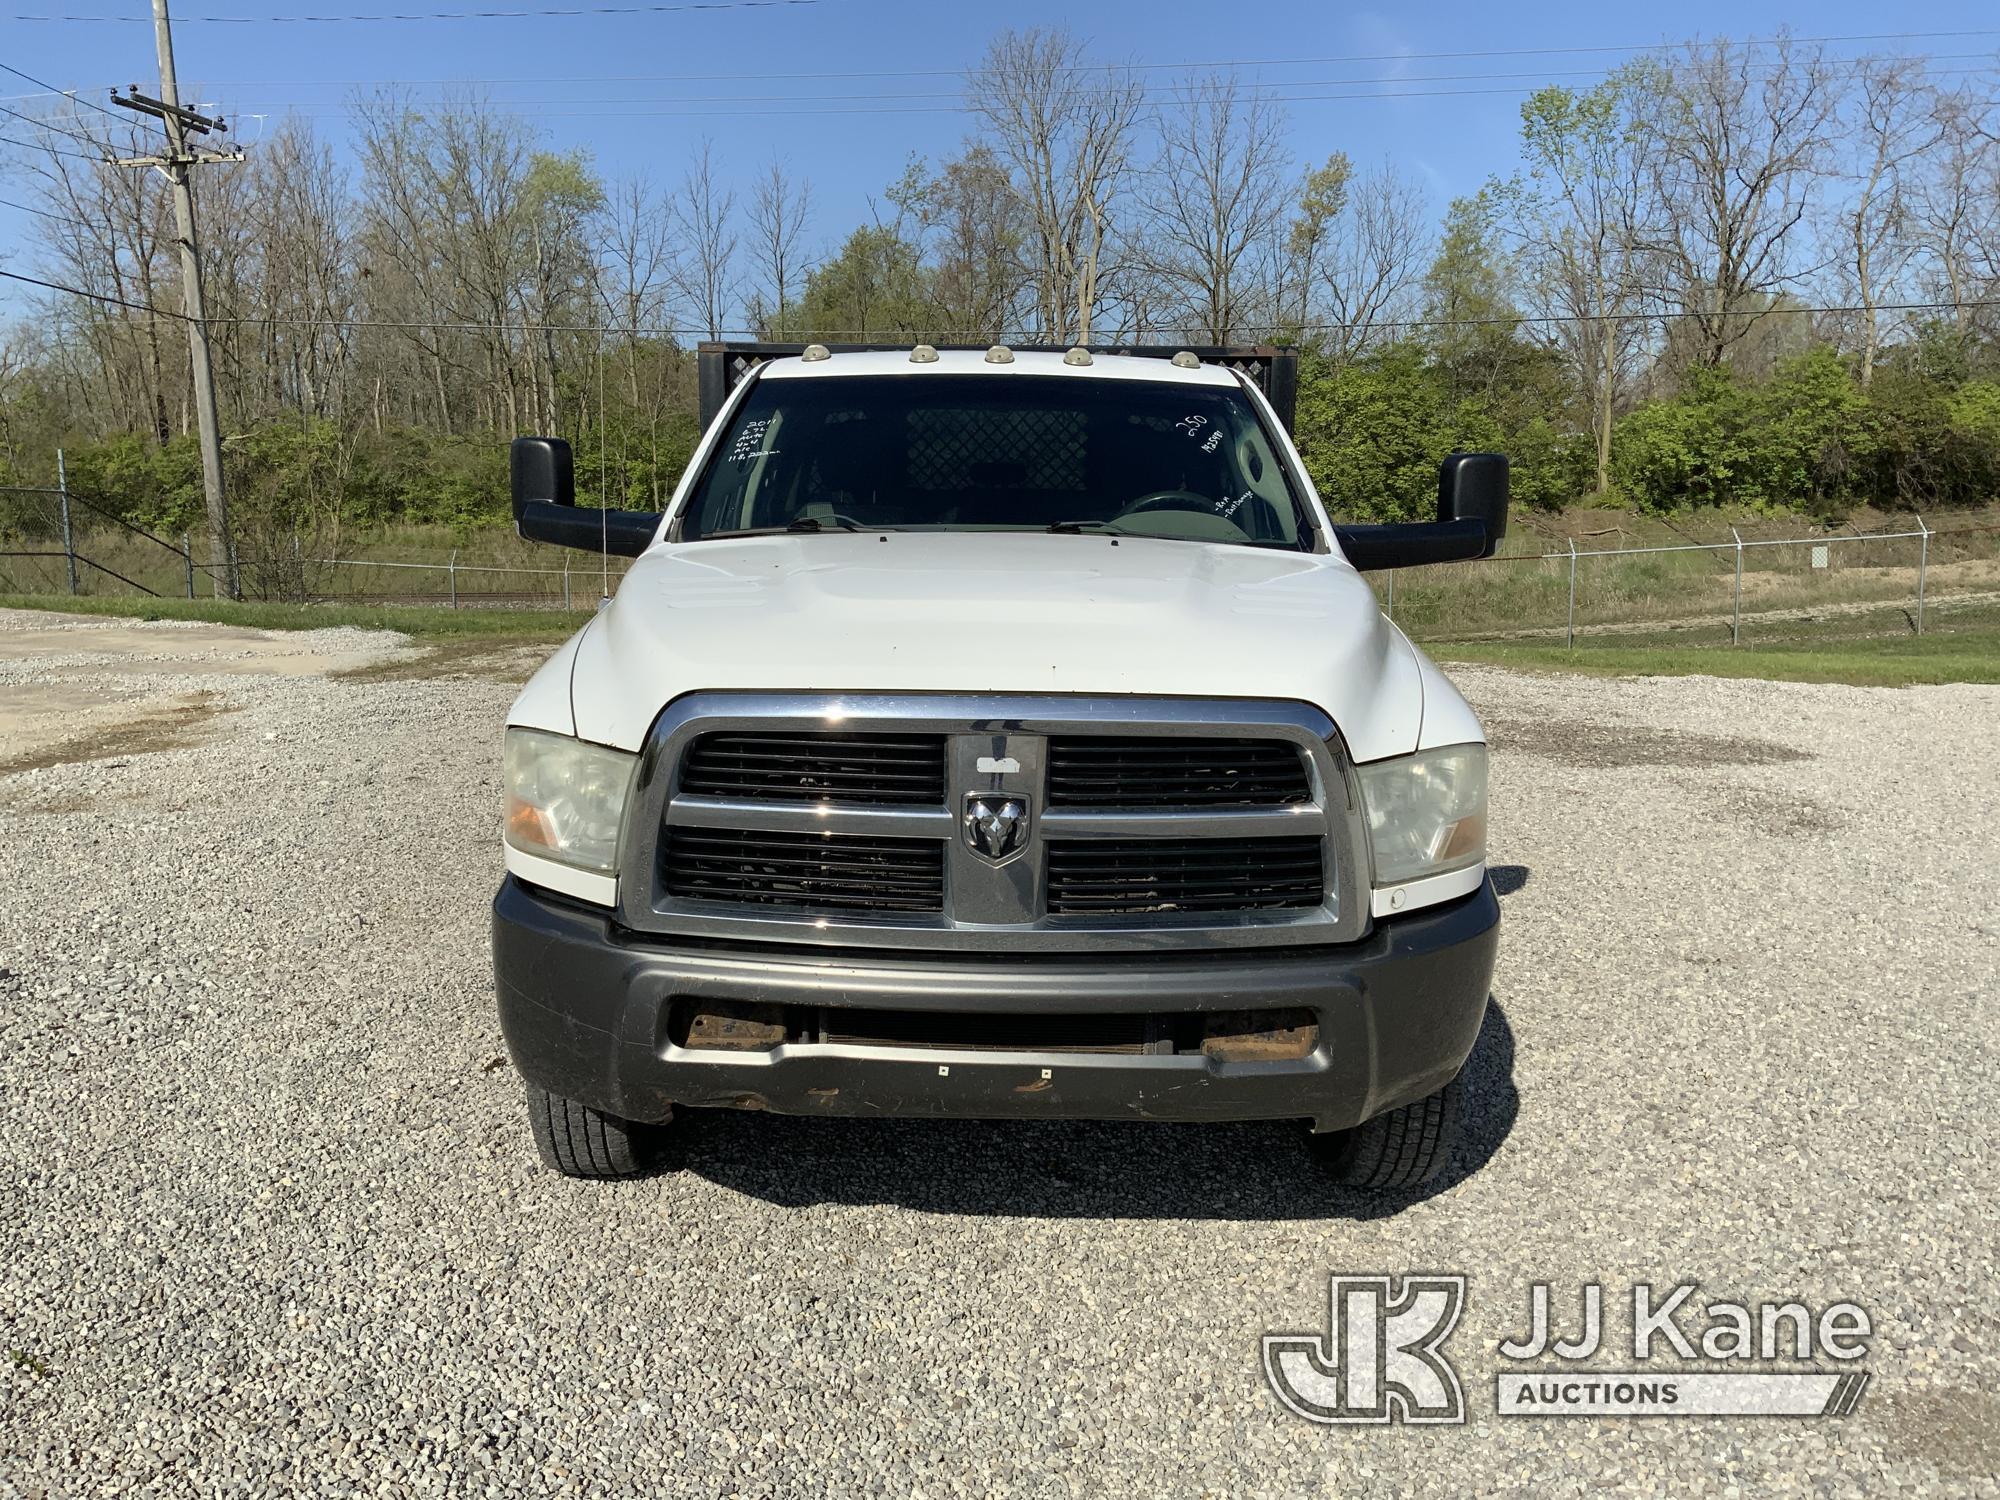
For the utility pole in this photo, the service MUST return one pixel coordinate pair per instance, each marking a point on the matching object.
(175, 165)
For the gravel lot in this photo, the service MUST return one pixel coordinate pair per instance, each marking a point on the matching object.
(271, 1222)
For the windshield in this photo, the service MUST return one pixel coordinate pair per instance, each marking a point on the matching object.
(998, 453)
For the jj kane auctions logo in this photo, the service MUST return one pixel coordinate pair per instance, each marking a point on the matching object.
(1382, 1358)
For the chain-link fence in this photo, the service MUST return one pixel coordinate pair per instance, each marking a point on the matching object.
(1741, 586)
(1722, 592)
(53, 541)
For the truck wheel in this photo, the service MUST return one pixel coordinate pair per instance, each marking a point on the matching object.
(579, 1141)
(1401, 1149)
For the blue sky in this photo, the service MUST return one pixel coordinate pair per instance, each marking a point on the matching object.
(628, 88)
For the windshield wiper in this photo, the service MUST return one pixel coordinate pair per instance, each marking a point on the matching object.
(1077, 528)
(796, 524)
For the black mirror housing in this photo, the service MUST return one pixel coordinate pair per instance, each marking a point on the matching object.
(1472, 518)
(622, 533)
(541, 468)
(1473, 487)
(542, 476)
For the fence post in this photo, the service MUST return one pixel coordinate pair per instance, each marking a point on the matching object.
(1390, 583)
(187, 554)
(69, 536)
(1569, 638)
(1736, 609)
(1923, 567)
(451, 574)
(565, 582)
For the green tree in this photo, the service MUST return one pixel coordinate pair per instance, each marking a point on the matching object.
(874, 287)
(1809, 443)
(1579, 217)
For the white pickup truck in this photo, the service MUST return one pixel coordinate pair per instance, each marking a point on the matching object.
(996, 733)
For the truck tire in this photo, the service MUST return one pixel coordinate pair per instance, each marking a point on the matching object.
(579, 1141)
(1399, 1150)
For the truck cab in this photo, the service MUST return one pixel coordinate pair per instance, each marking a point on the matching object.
(996, 733)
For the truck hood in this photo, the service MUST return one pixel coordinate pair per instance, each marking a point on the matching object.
(999, 613)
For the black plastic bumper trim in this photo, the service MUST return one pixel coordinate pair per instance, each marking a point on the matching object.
(585, 1010)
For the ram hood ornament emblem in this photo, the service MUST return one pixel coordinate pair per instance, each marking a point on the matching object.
(995, 824)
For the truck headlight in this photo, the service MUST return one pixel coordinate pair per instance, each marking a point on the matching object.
(1426, 812)
(565, 798)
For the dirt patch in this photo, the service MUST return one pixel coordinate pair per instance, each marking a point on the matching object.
(28, 802)
(1765, 812)
(89, 643)
(1601, 746)
(178, 723)
(1884, 582)
(493, 661)
(1955, 1431)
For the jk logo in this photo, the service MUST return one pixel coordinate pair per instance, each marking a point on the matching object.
(1380, 1359)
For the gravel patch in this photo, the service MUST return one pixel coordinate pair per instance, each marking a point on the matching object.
(272, 1224)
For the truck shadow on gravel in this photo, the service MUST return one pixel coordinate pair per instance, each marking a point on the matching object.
(1075, 1168)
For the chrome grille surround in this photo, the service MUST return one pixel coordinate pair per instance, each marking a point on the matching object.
(989, 906)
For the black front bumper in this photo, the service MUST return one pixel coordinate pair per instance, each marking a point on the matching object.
(585, 1006)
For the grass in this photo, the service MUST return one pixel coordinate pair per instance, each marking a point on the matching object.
(1970, 655)
(497, 626)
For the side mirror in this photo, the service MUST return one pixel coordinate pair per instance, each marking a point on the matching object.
(1472, 518)
(542, 476)
(540, 468)
(1473, 487)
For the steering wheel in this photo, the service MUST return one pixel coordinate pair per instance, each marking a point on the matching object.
(1261, 520)
(1168, 500)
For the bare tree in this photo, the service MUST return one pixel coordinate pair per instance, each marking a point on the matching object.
(446, 244)
(1063, 128)
(1361, 245)
(975, 229)
(1736, 143)
(704, 215)
(1954, 203)
(105, 230)
(300, 220)
(1891, 125)
(560, 202)
(780, 209)
(1213, 198)
(636, 265)
(637, 280)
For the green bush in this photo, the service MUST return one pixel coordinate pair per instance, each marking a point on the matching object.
(1373, 432)
(1687, 451)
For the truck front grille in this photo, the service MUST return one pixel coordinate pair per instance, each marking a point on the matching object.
(783, 767)
(993, 821)
(1181, 875)
(1139, 771)
(803, 871)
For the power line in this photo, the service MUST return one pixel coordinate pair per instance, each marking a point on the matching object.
(42, 213)
(1194, 64)
(459, 15)
(56, 286)
(1259, 89)
(7, 140)
(42, 83)
(540, 106)
(74, 135)
(1513, 90)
